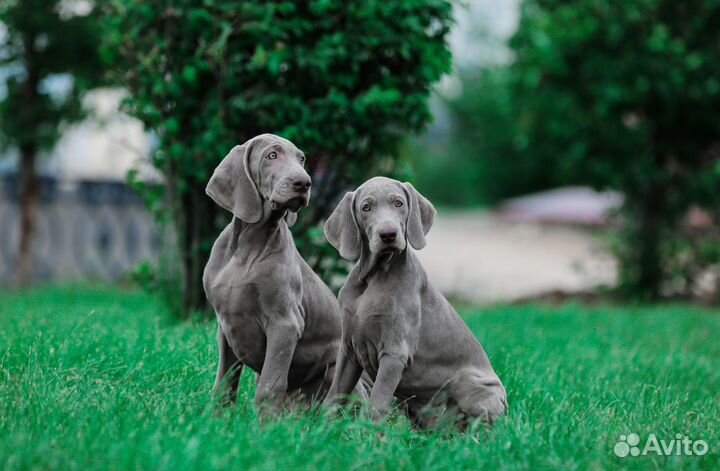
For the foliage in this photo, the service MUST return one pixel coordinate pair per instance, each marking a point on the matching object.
(160, 278)
(80, 393)
(43, 42)
(484, 159)
(343, 80)
(621, 95)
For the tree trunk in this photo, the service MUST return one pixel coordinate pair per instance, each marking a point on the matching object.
(196, 233)
(646, 244)
(27, 178)
(28, 201)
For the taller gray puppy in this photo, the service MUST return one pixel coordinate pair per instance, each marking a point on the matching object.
(274, 314)
(396, 325)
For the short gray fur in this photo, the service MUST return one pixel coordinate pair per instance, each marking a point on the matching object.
(397, 326)
(274, 314)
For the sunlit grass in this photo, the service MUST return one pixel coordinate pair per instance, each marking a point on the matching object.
(95, 378)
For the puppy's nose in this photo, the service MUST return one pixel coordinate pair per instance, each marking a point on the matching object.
(301, 184)
(388, 237)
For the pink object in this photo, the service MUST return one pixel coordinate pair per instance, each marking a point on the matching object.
(571, 205)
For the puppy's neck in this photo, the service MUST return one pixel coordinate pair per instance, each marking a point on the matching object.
(371, 264)
(268, 231)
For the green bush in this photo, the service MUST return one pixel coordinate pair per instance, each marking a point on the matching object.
(343, 80)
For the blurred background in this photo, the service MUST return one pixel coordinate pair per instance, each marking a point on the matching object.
(572, 148)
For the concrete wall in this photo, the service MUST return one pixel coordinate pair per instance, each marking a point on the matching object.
(85, 230)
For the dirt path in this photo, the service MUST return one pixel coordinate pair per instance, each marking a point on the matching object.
(480, 258)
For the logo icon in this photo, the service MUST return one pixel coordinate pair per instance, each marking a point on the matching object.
(627, 445)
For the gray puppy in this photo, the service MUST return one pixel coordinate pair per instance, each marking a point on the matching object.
(397, 326)
(274, 314)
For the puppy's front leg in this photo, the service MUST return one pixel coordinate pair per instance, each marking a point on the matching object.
(390, 370)
(282, 338)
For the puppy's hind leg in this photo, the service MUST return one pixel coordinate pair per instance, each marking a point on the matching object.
(480, 397)
(228, 372)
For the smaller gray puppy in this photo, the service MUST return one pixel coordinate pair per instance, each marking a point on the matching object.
(397, 326)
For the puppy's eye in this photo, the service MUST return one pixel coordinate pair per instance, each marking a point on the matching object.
(398, 203)
(272, 155)
(366, 207)
(302, 160)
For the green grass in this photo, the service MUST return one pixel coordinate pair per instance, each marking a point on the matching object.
(96, 378)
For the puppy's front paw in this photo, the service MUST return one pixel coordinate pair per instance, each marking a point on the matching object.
(270, 404)
(378, 414)
(268, 409)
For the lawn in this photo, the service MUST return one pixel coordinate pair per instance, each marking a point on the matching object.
(100, 378)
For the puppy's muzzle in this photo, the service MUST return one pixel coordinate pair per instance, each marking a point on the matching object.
(388, 236)
(388, 239)
(301, 183)
(292, 192)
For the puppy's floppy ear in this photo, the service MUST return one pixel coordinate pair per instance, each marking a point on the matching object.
(232, 187)
(341, 229)
(420, 218)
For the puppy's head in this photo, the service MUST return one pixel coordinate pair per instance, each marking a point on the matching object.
(266, 167)
(382, 216)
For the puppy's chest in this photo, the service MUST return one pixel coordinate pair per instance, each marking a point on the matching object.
(382, 325)
(377, 315)
(247, 305)
(254, 290)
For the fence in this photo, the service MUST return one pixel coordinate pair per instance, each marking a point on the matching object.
(84, 230)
